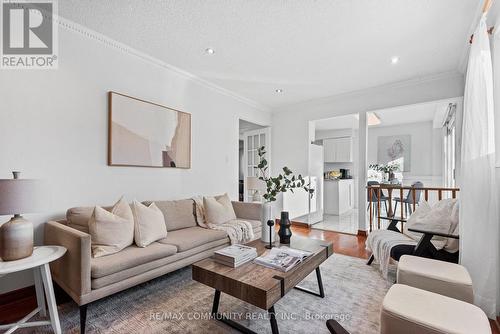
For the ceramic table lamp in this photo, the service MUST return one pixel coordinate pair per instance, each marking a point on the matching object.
(18, 196)
(258, 186)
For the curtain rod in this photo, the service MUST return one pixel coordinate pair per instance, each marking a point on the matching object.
(486, 7)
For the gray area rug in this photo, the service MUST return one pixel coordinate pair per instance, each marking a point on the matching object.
(175, 303)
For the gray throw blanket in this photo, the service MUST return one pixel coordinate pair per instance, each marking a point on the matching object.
(380, 243)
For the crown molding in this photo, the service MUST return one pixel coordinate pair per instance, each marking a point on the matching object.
(109, 42)
(365, 91)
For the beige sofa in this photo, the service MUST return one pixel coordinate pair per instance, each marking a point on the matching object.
(87, 279)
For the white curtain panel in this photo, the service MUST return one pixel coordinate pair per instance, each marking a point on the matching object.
(478, 194)
(496, 89)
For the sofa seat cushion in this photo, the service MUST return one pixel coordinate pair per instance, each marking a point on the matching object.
(160, 266)
(129, 257)
(191, 237)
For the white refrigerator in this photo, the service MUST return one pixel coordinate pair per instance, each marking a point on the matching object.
(302, 207)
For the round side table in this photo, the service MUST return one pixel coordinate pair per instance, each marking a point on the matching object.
(39, 262)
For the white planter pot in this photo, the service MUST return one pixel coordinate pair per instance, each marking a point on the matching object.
(265, 215)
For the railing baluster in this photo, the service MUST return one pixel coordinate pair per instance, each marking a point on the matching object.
(453, 194)
(378, 206)
(414, 199)
(401, 206)
(440, 194)
(426, 195)
(371, 214)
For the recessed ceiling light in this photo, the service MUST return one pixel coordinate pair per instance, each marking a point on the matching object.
(210, 51)
(279, 90)
(394, 60)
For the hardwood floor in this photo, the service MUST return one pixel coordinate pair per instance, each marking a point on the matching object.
(14, 305)
(346, 244)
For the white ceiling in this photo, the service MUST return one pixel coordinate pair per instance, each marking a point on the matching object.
(308, 48)
(422, 112)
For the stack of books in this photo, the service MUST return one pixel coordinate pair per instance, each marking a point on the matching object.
(235, 255)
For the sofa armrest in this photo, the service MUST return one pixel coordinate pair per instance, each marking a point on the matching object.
(247, 210)
(72, 271)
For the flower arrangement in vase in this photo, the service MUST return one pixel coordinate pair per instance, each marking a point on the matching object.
(388, 170)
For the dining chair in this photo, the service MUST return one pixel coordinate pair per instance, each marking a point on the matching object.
(374, 198)
(408, 200)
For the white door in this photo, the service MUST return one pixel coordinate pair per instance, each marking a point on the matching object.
(252, 141)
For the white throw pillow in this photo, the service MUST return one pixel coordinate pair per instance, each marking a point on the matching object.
(438, 218)
(149, 224)
(111, 232)
(218, 209)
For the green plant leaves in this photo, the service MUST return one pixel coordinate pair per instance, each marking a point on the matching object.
(280, 183)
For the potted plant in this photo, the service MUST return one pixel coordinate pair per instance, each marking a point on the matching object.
(281, 183)
(388, 170)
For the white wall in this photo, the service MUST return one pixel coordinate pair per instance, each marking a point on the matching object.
(53, 126)
(426, 150)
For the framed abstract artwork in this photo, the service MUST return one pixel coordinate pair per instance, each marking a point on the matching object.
(395, 150)
(146, 134)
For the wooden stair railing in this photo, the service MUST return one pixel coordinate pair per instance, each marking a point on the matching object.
(375, 191)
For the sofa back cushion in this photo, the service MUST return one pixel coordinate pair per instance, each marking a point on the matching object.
(178, 214)
(218, 210)
(78, 217)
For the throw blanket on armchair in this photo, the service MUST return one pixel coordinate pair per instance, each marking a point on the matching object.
(380, 243)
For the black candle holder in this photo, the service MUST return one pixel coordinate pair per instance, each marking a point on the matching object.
(270, 223)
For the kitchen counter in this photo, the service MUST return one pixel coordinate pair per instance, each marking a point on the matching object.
(338, 196)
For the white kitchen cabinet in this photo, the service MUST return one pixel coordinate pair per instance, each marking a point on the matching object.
(338, 196)
(338, 149)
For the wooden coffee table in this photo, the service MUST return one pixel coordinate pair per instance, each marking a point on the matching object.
(259, 285)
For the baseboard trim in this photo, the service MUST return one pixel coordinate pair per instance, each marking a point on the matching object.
(362, 233)
(294, 223)
(301, 224)
(16, 304)
(15, 295)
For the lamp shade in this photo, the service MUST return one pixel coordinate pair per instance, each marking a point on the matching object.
(253, 183)
(18, 196)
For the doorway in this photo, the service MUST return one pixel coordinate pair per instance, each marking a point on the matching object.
(251, 137)
(338, 139)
